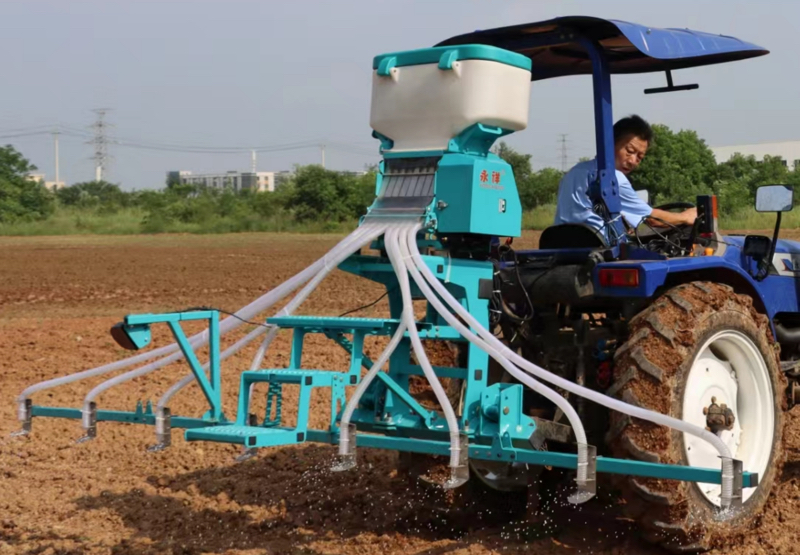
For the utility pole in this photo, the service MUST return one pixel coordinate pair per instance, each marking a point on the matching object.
(56, 133)
(253, 161)
(100, 143)
(322, 147)
(563, 152)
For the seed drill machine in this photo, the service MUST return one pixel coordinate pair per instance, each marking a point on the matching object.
(655, 361)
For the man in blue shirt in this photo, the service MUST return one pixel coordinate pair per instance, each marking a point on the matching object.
(632, 137)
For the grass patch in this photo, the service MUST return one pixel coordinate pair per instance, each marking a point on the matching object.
(133, 221)
(72, 221)
(540, 217)
(748, 218)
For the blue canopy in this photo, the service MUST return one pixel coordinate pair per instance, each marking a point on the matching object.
(554, 48)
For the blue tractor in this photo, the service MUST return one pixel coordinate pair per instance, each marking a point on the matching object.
(680, 320)
(669, 350)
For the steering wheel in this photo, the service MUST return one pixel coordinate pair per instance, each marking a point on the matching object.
(670, 242)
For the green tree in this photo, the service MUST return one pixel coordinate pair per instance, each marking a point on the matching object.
(740, 176)
(363, 193)
(544, 186)
(321, 194)
(93, 193)
(535, 188)
(20, 197)
(523, 174)
(678, 166)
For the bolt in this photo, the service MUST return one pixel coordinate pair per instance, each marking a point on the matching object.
(505, 410)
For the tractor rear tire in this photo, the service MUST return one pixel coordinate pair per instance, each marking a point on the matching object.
(653, 369)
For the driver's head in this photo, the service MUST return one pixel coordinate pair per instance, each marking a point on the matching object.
(632, 136)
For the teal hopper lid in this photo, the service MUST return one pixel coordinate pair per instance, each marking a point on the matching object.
(446, 55)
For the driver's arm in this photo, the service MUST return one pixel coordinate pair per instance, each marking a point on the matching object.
(687, 217)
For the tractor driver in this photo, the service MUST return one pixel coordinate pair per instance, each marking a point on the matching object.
(632, 137)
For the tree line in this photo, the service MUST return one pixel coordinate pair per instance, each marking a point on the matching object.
(678, 166)
(311, 194)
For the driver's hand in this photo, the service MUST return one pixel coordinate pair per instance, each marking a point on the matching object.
(689, 216)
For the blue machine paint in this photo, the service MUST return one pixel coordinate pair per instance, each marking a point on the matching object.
(636, 48)
(776, 293)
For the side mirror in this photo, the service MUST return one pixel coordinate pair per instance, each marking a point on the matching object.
(643, 195)
(774, 198)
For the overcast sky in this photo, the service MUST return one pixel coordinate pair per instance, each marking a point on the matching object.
(242, 73)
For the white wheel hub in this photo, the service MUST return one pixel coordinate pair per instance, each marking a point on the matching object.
(730, 367)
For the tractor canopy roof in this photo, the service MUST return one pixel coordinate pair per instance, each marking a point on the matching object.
(555, 46)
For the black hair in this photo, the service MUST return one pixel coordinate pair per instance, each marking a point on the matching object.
(633, 125)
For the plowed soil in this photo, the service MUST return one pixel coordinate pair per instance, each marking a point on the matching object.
(58, 298)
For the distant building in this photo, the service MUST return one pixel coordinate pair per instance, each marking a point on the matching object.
(238, 181)
(50, 185)
(788, 150)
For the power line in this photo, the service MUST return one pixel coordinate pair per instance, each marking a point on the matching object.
(70, 131)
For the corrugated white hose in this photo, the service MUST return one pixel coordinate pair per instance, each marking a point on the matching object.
(356, 241)
(549, 394)
(599, 398)
(344, 436)
(393, 250)
(227, 324)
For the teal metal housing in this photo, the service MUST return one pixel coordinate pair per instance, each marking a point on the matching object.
(489, 205)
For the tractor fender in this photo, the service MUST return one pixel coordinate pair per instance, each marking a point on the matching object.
(655, 276)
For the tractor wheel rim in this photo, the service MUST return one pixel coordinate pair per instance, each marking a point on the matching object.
(730, 367)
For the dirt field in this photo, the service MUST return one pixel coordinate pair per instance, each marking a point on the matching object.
(58, 298)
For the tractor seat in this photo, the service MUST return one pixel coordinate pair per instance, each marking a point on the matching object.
(571, 236)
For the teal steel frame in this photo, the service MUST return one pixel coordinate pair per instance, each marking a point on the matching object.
(388, 416)
(143, 414)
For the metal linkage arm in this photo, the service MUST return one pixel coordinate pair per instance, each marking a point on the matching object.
(210, 384)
